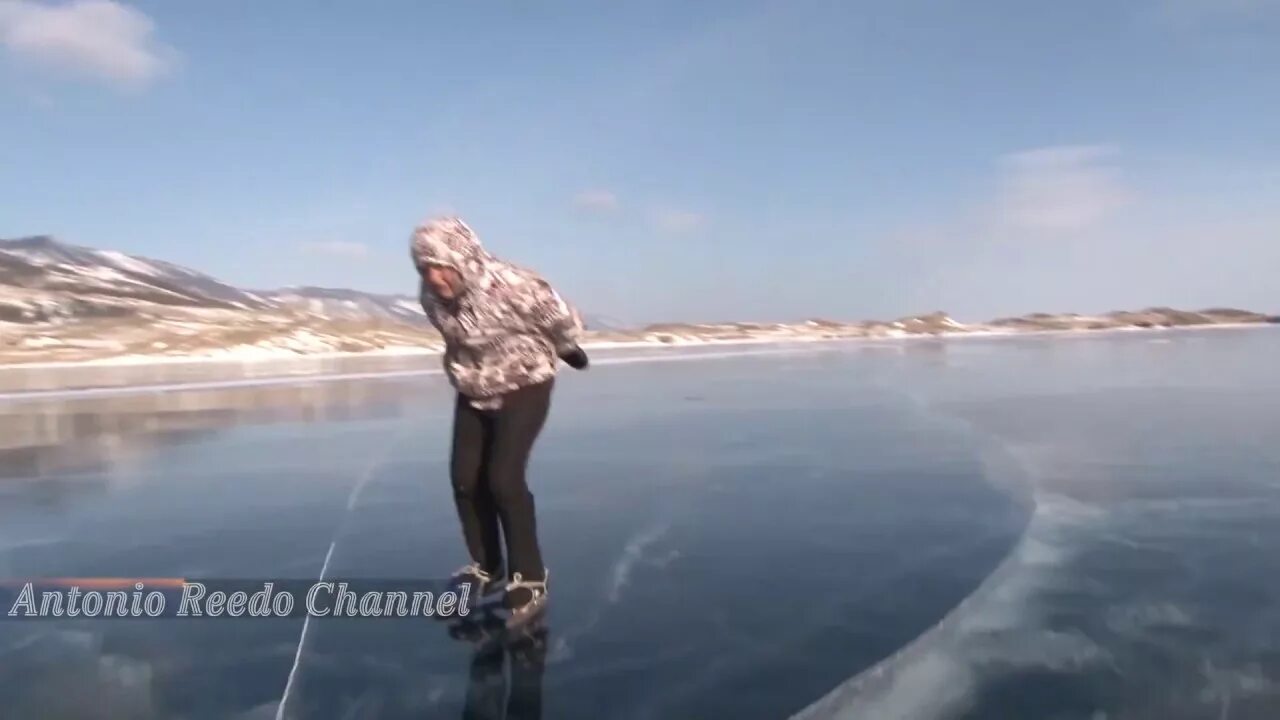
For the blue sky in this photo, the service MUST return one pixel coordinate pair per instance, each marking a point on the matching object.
(668, 160)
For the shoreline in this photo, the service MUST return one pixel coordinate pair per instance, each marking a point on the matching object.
(310, 369)
(262, 357)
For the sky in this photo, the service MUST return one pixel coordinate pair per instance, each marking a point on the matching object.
(668, 160)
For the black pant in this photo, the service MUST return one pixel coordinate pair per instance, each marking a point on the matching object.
(490, 452)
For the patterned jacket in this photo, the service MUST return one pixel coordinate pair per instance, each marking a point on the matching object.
(506, 329)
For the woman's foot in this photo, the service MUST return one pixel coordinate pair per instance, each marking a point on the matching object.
(479, 584)
(525, 599)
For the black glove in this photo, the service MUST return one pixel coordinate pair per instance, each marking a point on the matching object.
(576, 359)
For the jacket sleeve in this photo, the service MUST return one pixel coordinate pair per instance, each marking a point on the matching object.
(555, 318)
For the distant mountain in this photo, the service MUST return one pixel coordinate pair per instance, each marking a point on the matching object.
(42, 279)
(72, 303)
(1157, 317)
(351, 304)
(604, 323)
(354, 304)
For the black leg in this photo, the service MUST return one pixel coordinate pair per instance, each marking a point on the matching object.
(517, 426)
(477, 511)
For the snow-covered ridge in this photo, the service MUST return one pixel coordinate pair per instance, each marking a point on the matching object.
(341, 302)
(43, 280)
(67, 303)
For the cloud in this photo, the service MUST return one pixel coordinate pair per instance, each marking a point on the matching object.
(1069, 194)
(1062, 188)
(678, 222)
(602, 201)
(101, 39)
(336, 248)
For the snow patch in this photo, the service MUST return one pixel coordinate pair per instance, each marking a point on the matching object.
(102, 273)
(40, 341)
(126, 262)
(34, 257)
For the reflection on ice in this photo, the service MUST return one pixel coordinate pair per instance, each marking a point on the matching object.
(28, 378)
(53, 437)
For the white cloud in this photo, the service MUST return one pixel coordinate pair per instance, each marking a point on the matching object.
(596, 201)
(336, 248)
(676, 222)
(1071, 187)
(102, 39)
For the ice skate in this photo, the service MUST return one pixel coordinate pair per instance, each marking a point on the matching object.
(525, 600)
(476, 585)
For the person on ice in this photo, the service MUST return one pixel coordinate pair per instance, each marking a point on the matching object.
(505, 330)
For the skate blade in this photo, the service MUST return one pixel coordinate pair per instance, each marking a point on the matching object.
(517, 621)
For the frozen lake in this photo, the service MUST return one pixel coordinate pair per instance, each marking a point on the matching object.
(1051, 527)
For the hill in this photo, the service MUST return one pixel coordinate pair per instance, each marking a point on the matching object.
(64, 302)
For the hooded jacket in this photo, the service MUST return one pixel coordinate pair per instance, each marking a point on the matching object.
(506, 328)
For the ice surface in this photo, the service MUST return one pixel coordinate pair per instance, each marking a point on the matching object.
(1085, 461)
(958, 530)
